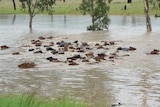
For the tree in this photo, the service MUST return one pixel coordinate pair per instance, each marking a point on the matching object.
(98, 9)
(36, 6)
(146, 10)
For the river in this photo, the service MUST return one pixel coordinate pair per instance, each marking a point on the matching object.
(133, 81)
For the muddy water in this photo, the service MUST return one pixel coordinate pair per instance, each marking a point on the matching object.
(133, 81)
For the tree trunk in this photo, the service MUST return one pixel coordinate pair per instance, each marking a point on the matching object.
(146, 10)
(93, 26)
(30, 22)
(14, 4)
(30, 15)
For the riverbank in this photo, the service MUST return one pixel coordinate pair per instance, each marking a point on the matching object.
(70, 7)
(33, 100)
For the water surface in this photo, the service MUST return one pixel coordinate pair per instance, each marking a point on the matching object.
(133, 81)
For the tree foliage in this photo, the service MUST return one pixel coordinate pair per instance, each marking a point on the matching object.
(156, 6)
(37, 6)
(98, 9)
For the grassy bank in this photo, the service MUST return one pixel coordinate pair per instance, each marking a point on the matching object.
(32, 101)
(70, 7)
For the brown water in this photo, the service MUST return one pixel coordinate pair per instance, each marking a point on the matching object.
(133, 81)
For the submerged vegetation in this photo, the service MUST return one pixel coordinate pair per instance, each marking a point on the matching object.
(98, 10)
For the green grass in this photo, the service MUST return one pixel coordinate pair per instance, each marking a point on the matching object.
(135, 8)
(70, 7)
(5, 10)
(30, 100)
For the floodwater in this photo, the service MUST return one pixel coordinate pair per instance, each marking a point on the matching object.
(133, 81)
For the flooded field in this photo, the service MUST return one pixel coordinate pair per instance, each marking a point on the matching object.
(133, 81)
